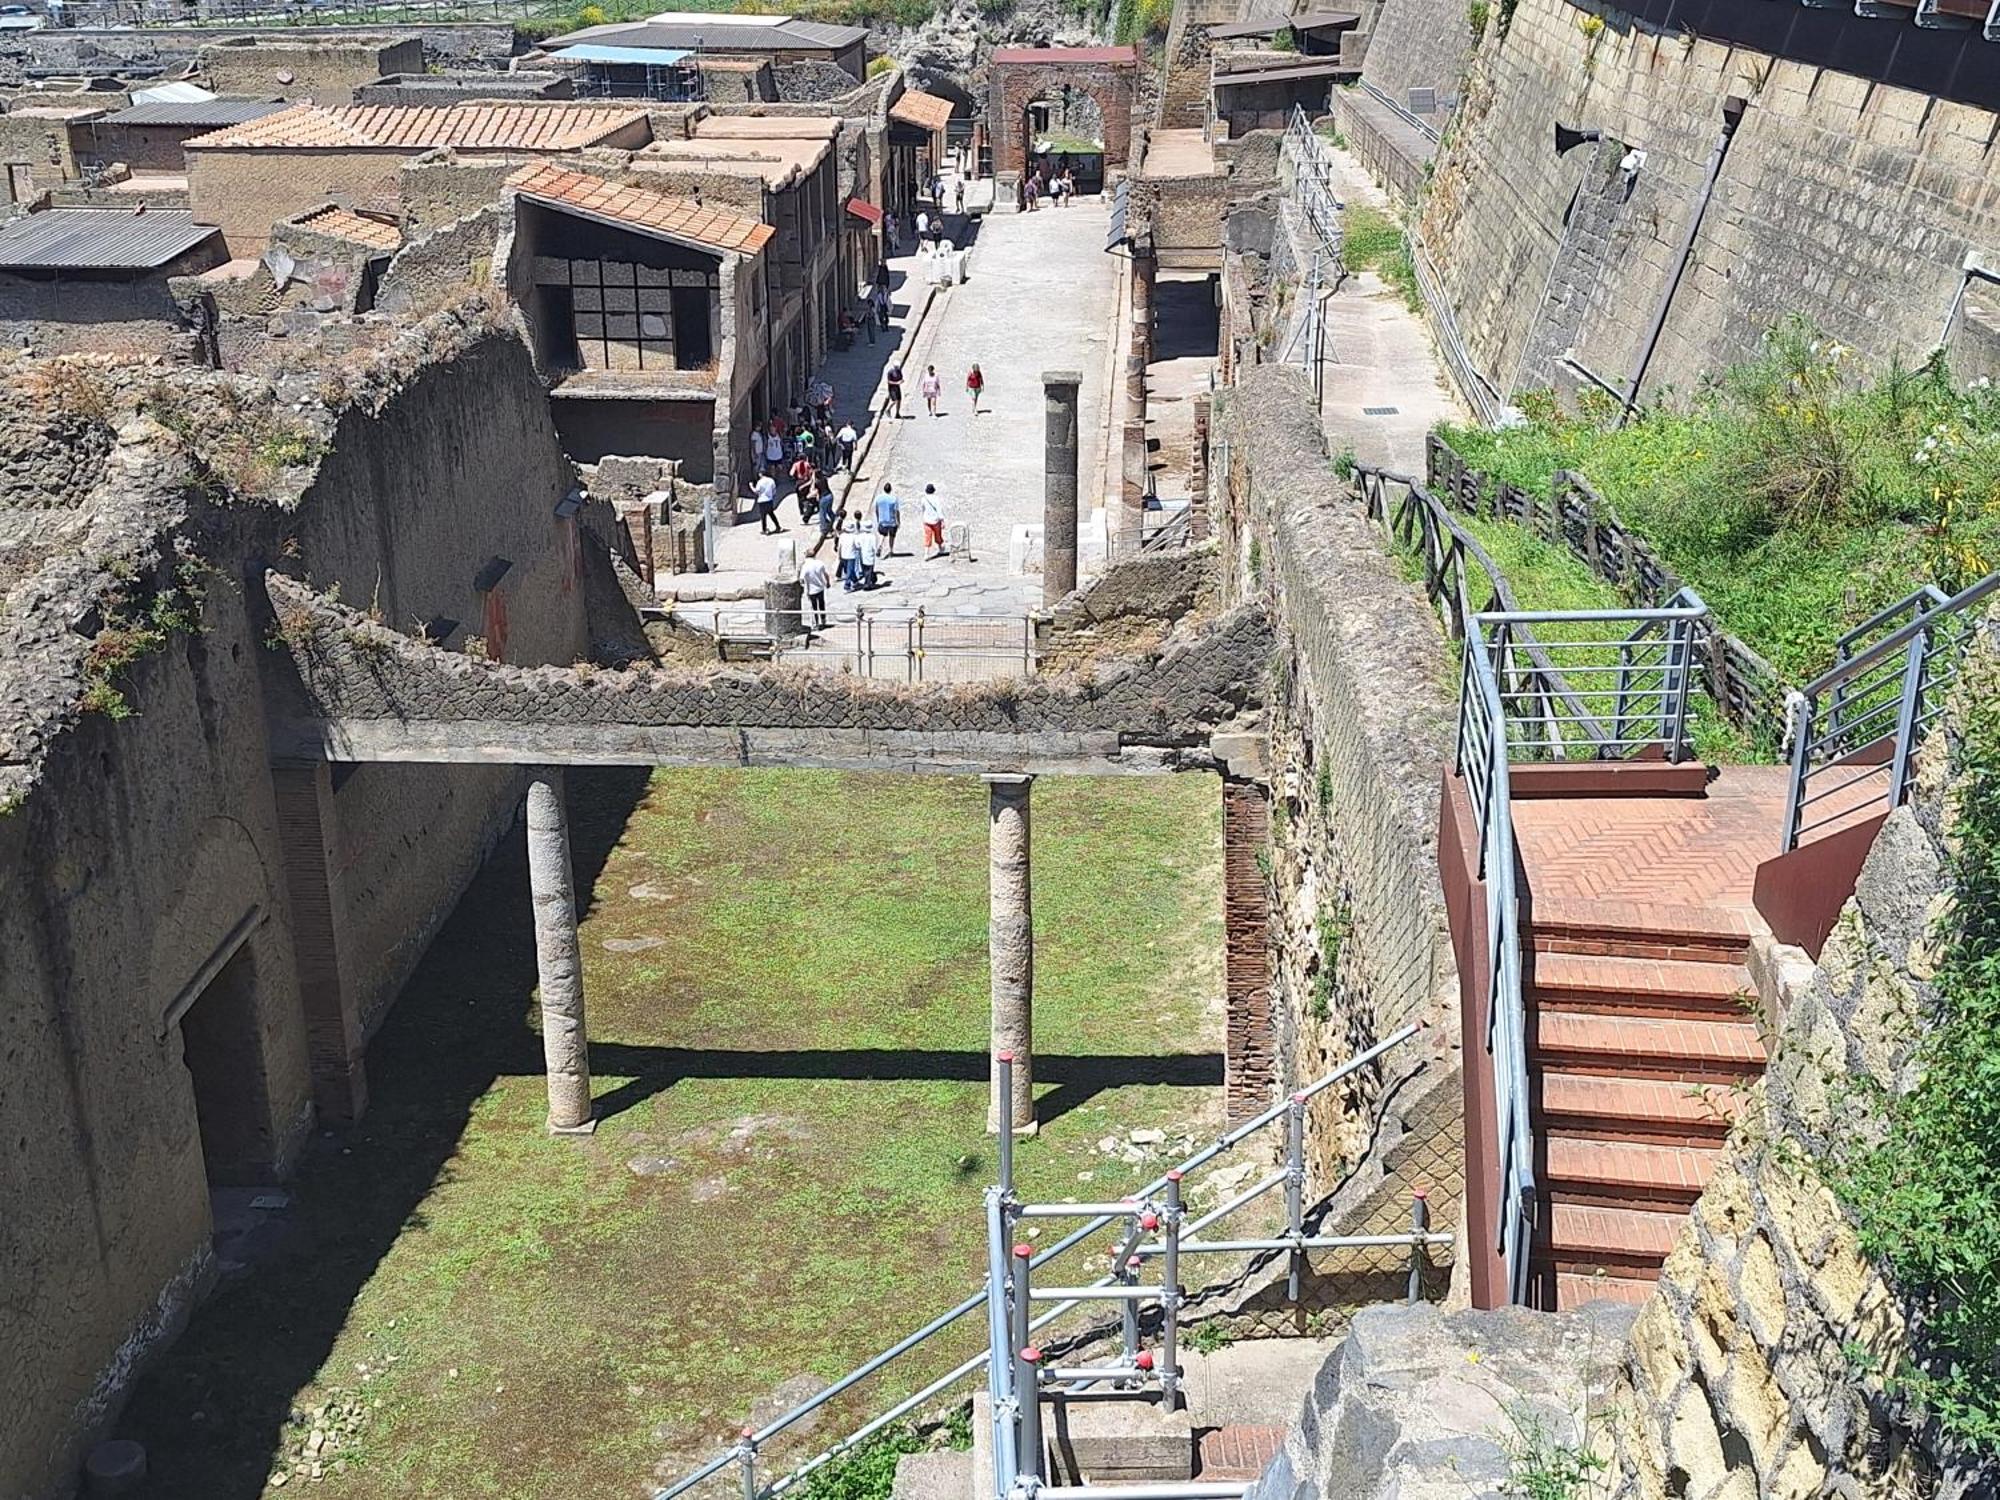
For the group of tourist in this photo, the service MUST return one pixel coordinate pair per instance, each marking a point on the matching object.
(1058, 186)
(863, 538)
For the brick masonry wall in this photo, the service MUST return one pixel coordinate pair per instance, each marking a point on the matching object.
(1014, 86)
(1854, 204)
(1419, 44)
(1360, 719)
(246, 192)
(1738, 1379)
(1250, 1072)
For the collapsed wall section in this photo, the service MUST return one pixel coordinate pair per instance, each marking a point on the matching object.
(1360, 721)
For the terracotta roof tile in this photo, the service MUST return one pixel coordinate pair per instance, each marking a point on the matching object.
(642, 209)
(349, 225)
(915, 107)
(553, 126)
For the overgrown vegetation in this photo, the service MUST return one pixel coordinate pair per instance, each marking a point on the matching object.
(1795, 493)
(245, 445)
(1476, 15)
(1541, 1466)
(1284, 39)
(1372, 241)
(1926, 1196)
(134, 628)
(869, 1472)
(1142, 20)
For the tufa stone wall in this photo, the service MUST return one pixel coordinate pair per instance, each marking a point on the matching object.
(1360, 722)
(324, 70)
(1421, 44)
(445, 265)
(1739, 1379)
(1852, 203)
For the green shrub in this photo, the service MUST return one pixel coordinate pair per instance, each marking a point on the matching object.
(1372, 241)
(1284, 39)
(877, 66)
(1926, 1199)
(1475, 16)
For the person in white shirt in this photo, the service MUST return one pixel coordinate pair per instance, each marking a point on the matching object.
(813, 578)
(870, 553)
(923, 226)
(767, 506)
(933, 514)
(847, 437)
(774, 452)
(850, 554)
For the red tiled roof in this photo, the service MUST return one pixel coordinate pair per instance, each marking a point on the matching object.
(915, 107)
(349, 225)
(553, 126)
(1128, 55)
(641, 209)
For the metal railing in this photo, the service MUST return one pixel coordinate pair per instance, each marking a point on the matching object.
(1162, 530)
(1154, 1226)
(1312, 184)
(1854, 729)
(900, 644)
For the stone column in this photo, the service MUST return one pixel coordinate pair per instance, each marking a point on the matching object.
(1059, 482)
(1139, 354)
(1011, 948)
(1249, 1067)
(565, 1038)
(1198, 473)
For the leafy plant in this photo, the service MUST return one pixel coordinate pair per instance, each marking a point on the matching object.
(1541, 1466)
(1372, 241)
(1284, 39)
(869, 1472)
(1209, 1336)
(1343, 462)
(1476, 15)
(1926, 1197)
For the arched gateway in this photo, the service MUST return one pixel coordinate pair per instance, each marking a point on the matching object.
(1021, 77)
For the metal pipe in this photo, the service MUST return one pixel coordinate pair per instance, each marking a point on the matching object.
(1732, 115)
(1295, 1183)
(1098, 1293)
(1027, 1377)
(1075, 1210)
(1420, 1223)
(1191, 1490)
(1170, 1297)
(1000, 1369)
(1304, 1241)
(1094, 1373)
(747, 1454)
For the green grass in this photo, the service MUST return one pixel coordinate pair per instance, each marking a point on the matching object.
(1372, 241)
(1796, 494)
(800, 1052)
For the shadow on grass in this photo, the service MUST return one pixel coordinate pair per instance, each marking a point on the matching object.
(1076, 1079)
(212, 1413)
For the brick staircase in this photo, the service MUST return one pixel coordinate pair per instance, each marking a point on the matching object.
(1641, 1041)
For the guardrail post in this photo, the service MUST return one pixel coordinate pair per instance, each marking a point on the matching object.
(999, 1337)
(1420, 1224)
(1295, 1182)
(1003, 1063)
(1027, 1391)
(917, 645)
(1138, 1225)
(1906, 716)
(746, 1456)
(1170, 1297)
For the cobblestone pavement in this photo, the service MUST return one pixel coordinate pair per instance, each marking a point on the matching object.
(1040, 296)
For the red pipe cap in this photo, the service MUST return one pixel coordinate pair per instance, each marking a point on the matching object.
(1031, 1355)
(1023, 1252)
(1176, 1175)
(1422, 1192)
(749, 1432)
(1299, 1098)
(1149, 1221)
(1005, 1057)
(1145, 1360)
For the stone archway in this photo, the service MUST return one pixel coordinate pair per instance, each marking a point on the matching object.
(1106, 77)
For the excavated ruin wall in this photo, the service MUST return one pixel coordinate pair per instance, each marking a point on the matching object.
(1362, 705)
(1852, 203)
(1743, 1375)
(136, 853)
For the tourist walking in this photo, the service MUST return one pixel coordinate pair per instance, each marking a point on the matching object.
(958, 196)
(767, 507)
(882, 309)
(868, 550)
(847, 437)
(888, 519)
(931, 388)
(813, 581)
(850, 554)
(893, 406)
(975, 386)
(923, 227)
(805, 488)
(933, 514)
(869, 315)
(774, 449)
(829, 521)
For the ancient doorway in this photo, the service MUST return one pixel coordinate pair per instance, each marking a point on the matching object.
(1063, 131)
(221, 1051)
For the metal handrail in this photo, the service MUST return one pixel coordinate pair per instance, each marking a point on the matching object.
(1840, 718)
(744, 1451)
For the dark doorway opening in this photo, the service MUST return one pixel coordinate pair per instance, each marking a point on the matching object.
(225, 1063)
(693, 349)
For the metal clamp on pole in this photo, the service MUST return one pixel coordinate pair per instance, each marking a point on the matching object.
(1125, 1266)
(1027, 1374)
(1295, 1184)
(1170, 1297)
(1420, 1223)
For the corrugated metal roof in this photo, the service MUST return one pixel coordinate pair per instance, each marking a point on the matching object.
(553, 125)
(99, 239)
(657, 57)
(179, 92)
(723, 34)
(641, 209)
(915, 107)
(211, 113)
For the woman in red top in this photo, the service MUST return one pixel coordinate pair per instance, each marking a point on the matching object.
(975, 383)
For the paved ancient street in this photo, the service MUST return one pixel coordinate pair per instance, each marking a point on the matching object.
(1041, 296)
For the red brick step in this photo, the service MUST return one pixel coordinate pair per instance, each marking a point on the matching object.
(1647, 1047)
(1635, 1174)
(1640, 986)
(1626, 1242)
(1652, 1109)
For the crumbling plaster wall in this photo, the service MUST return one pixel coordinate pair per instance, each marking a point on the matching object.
(1850, 202)
(1740, 1378)
(134, 850)
(1360, 721)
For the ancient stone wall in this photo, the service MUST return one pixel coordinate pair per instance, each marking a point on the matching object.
(325, 70)
(1360, 721)
(1014, 86)
(1743, 1376)
(442, 187)
(166, 48)
(1853, 203)
(163, 928)
(1420, 44)
(445, 265)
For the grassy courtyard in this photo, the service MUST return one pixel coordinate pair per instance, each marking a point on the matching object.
(786, 975)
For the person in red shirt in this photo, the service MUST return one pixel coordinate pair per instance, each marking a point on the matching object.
(975, 384)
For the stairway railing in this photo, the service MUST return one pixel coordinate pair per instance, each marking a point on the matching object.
(1854, 729)
(1512, 709)
(1007, 1292)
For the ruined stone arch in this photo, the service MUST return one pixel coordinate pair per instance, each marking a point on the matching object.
(1104, 76)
